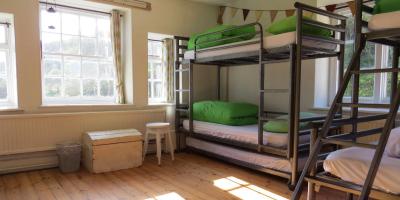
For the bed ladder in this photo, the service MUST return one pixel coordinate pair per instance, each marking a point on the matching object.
(182, 110)
(353, 72)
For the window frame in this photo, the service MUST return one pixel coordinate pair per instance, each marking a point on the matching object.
(11, 102)
(380, 79)
(152, 60)
(80, 99)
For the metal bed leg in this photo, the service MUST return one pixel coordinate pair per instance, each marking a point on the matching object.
(219, 83)
(191, 97)
(311, 195)
(349, 196)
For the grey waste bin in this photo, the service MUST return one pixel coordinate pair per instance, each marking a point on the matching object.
(69, 156)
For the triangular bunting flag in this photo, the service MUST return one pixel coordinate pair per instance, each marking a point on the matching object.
(331, 8)
(233, 12)
(258, 14)
(352, 6)
(290, 12)
(273, 14)
(308, 14)
(221, 14)
(245, 14)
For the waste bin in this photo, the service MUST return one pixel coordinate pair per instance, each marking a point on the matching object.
(69, 156)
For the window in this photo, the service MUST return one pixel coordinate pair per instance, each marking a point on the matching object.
(373, 87)
(156, 73)
(8, 84)
(77, 57)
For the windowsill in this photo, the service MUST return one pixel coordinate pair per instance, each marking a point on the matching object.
(84, 105)
(10, 109)
(161, 104)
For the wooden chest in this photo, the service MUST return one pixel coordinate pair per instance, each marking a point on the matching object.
(105, 151)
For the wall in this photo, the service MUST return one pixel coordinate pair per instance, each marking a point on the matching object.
(19, 132)
(243, 81)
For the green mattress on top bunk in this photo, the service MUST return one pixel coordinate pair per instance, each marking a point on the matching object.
(232, 33)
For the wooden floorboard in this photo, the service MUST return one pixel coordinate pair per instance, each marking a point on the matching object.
(190, 176)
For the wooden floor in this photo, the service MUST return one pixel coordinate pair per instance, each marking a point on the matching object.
(190, 176)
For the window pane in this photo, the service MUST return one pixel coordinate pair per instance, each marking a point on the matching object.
(107, 88)
(88, 26)
(53, 87)
(104, 48)
(3, 88)
(150, 90)
(157, 89)
(51, 42)
(103, 28)
(149, 71)
(3, 63)
(72, 67)
(367, 85)
(106, 70)
(368, 56)
(52, 66)
(88, 47)
(72, 87)
(70, 24)
(89, 88)
(50, 21)
(90, 69)
(157, 71)
(3, 37)
(71, 44)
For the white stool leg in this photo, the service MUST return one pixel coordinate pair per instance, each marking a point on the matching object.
(146, 144)
(171, 147)
(158, 141)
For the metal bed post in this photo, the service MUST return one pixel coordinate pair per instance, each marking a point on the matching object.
(262, 90)
(219, 82)
(292, 93)
(311, 186)
(177, 94)
(191, 97)
(296, 108)
(356, 78)
(395, 64)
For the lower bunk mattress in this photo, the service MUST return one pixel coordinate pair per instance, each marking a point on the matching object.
(352, 165)
(246, 134)
(260, 160)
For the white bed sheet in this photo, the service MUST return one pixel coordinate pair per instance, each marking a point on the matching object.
(270, 42)
(267, 161)
(246, 134)
(352, 165)
(384, 21)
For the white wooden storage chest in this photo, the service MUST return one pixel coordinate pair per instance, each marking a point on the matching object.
(105, 151)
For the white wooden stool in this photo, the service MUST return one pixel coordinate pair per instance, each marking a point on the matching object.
(158, 129)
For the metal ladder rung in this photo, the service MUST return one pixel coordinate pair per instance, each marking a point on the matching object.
(183, 90)
(348, 143)
(182, 70)
(371, 71)
(364, 105)
(183, 47)
(274, 91)
(181, 55)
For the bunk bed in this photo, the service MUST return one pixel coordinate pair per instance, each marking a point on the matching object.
(250, 146)
(367, 170)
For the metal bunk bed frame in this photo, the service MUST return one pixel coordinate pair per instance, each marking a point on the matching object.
(262, 57)
(319, 137)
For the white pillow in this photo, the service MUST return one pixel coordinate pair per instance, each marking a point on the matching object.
(393, 146)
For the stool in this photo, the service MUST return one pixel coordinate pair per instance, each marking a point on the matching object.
(158, 129)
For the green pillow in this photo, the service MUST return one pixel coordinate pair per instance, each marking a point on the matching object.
(281, 124)
(247, 32)
(289, 25)
(228, 113)
(212, 37)
(385, 6)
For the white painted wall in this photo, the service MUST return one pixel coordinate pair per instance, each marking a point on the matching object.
(243, 81)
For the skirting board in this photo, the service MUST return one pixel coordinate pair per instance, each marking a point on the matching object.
(28, 161)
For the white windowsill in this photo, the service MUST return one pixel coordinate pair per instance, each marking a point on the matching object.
(161, 104)
(84, 105)
(362, 110)
(10, 109)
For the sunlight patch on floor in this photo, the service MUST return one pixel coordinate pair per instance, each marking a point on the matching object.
(245, 190)
(168, 196)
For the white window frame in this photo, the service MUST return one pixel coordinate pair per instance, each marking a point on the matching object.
(79, 100)
(380, 79)
(152, 61)
(9, 47)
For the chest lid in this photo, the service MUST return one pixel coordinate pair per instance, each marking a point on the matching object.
(113, 136)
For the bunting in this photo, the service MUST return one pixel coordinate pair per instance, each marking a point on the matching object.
(221, 14)
(258, 15)
(290, 12)
(352, 6)
(245, 14)
(331, 8)
(233, 12)
(273, 14)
